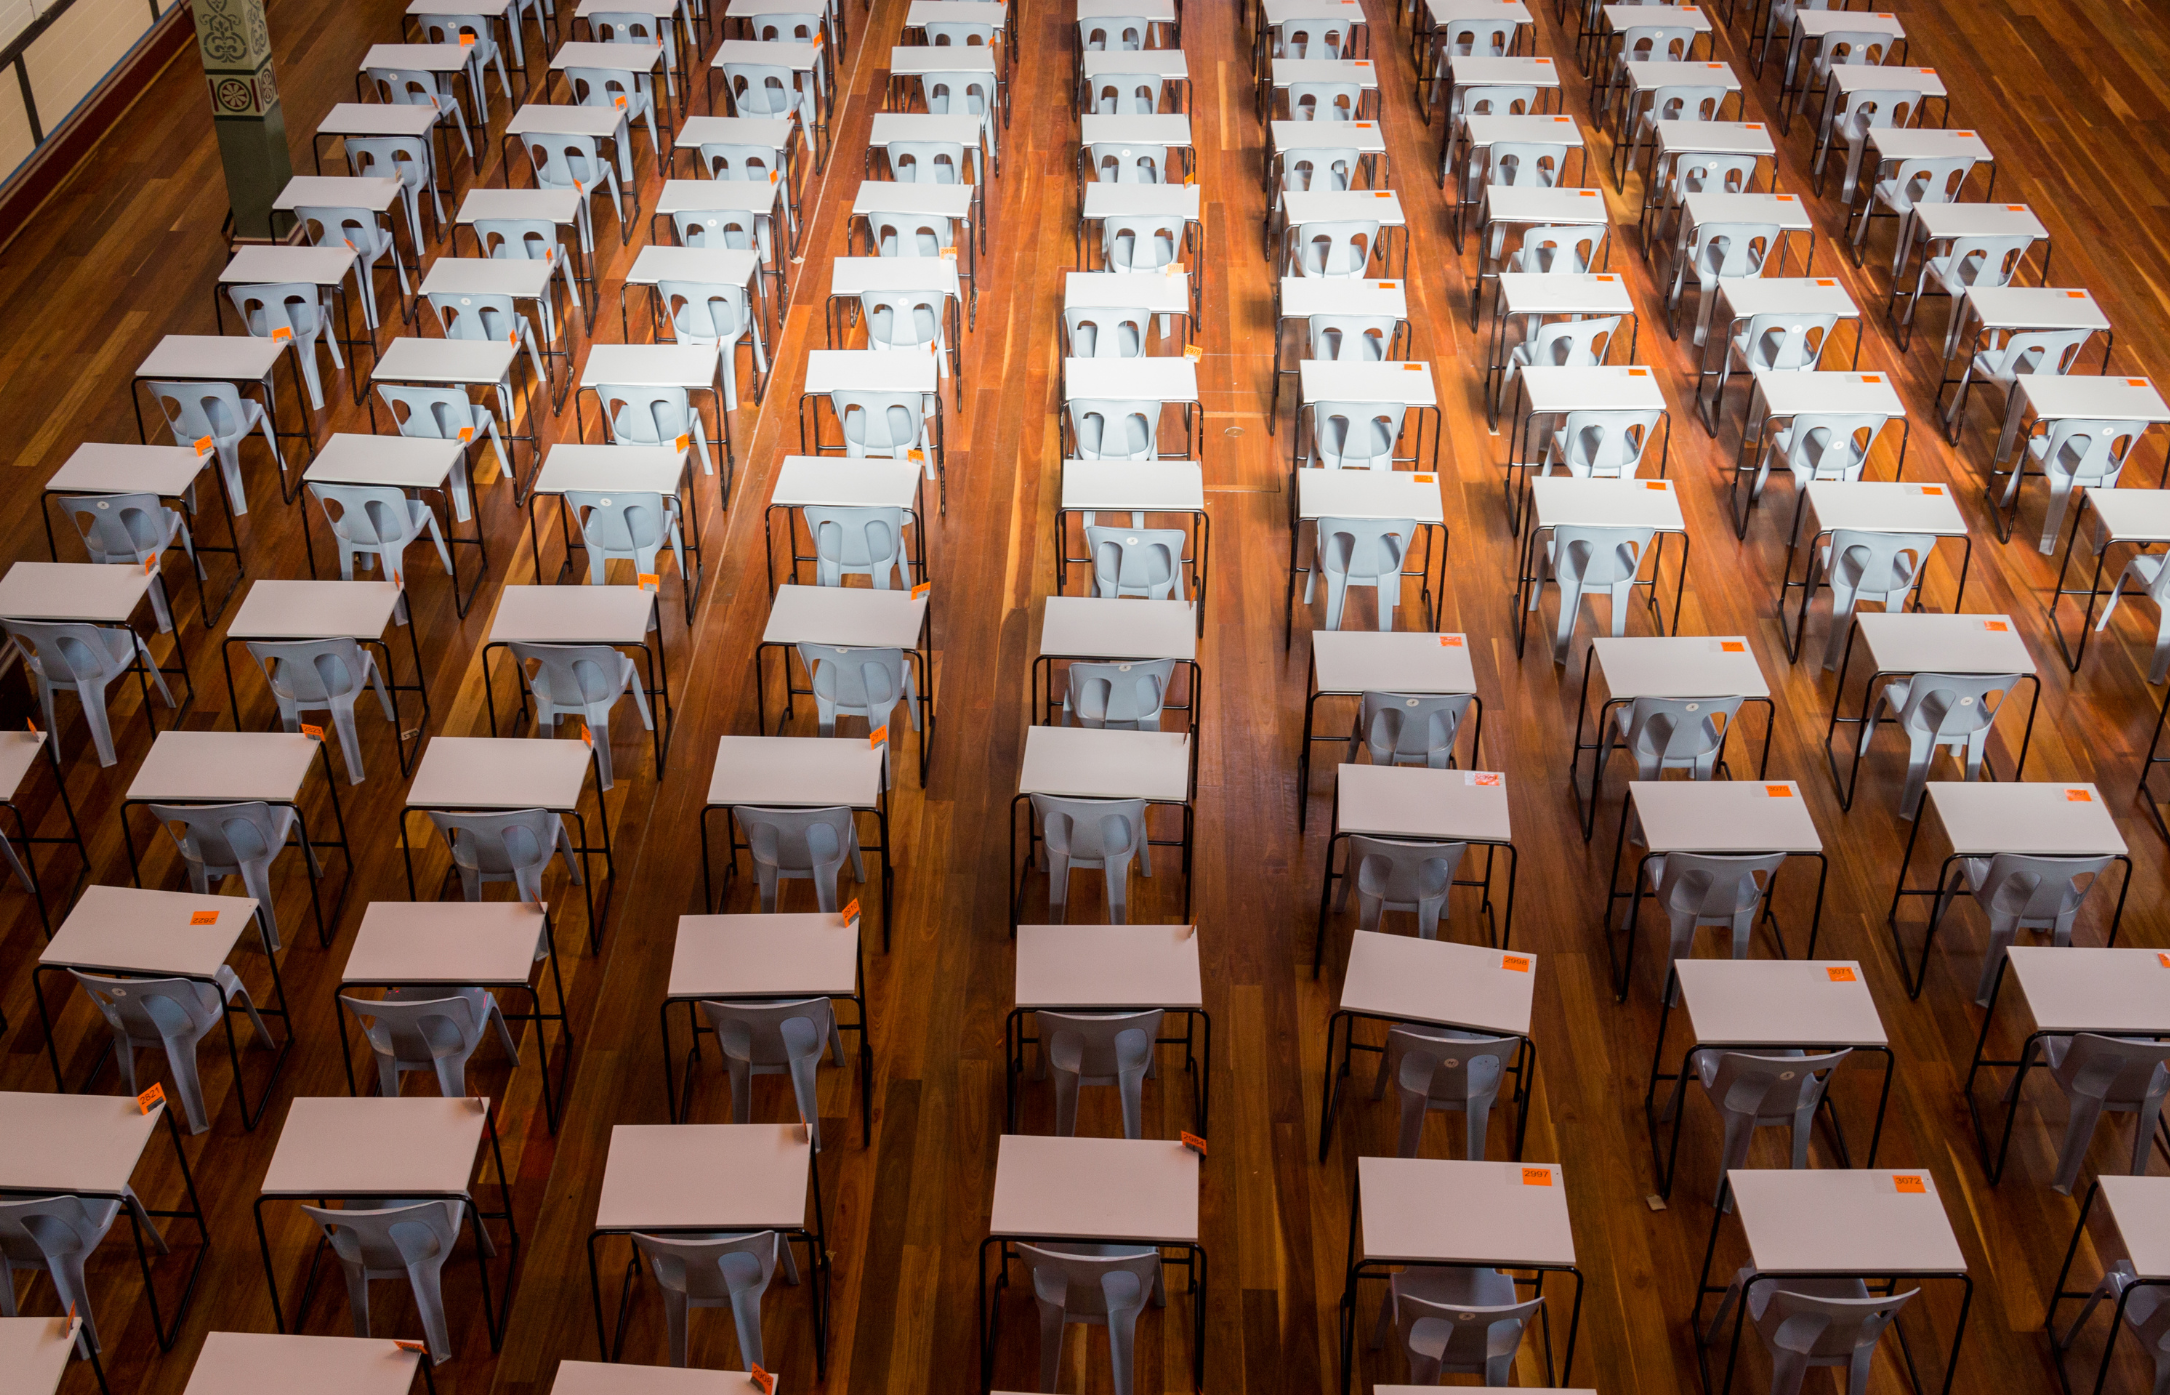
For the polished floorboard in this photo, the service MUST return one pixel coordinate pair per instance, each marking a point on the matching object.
(2068, 93)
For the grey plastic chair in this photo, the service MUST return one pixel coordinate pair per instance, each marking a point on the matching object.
(515, 846)
(886, 425)
(574, 164)
(1813, 1322)
(1461, 1320)
(54, 1234)
(584, 681)
(447, 414)
(1114, 429)
(2101, 1074)
(170, 1015)
(1127, 162)
(766, 1038)
(218, 410)
(1093, 1286)
(1354, 435)
(1409, 728)
(414, 87)
(1576, 343)
(2150, 578)
(410, 1240)
(1591, 558)
(1936, 710)
(86, 658)
(1820, 446)
(2146, 1313)
(1762, 1090)
(926, 161)
(1863, 566)
(2009, 355)
(654, 416)
(1599, 445)
(1124, 94)
(406, 159)
(235, 840)
(483, 318)
(369, 240)
(379, 522)
(801, 845)
(704, 313)
(431, 1028)
(323, 675)
(1717, 252)
(1393, 874)
(1671, 733)
(1125, 695)
(1360, 552)
(1145, 562)
(628, 528)
(860, 682)
(631, 93)
(1697, 889)
(1098, 1048)
(1141, 243)
(305, 312)
(2018, 891)
(130, 530)
(1340, 250)
(1092, 835)
(866, 542)
(1569, 250)
(1112, 34)
(1106, 331)
(2074, 453)
(907, 320)
(716, 1271)
(1324, 101)
(1437, 1068)
(1354, 338)
(910, 234)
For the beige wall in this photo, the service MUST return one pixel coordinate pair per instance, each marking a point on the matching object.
(73, 56)
(15, 142)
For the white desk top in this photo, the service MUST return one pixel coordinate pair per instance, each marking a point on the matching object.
(1785, 211)
(723, 956)
(18, 752)
(796, 772)
(1092, 763)
(834, 481)
(231, 1361)
(1502, 72)
(1101, 1189)
(1089, 290)
(72, 1143)
(376, 119)
(1530, 129)
(337, 191)
(402, 462)
(37, 1349)
(1283, 71)
(572, 615)
(2132, 515)
(850, 276)
(1621, 18)
(755, 196)
(706, 266)
(922, 60)
(1130, 379)
(1846, 1221)
(429, 58)
(625, 58)
(766, 53)
(572, 465)
(1787, 394)
(706, 1176)
(1984, 818)
(2086, 395)
(99, 592)
(2035, 307)
(1108, 966)
(624, 1378)
(346, 1146)
(920, 125)
(559, 206)
(125, 929)
(1437, 1210)
(1170, 129)
(2074, 989)
(1154, 486)
(1597, 387)
(105, 467)
(1724, 816)
(1087, 627)
(1305, 296)
(1283, 11)
(1381, 206)
(2140, 1209)
(1928, 143)
(1447, 11)
(1382, 494)
(1354, 380)
(519, 277)
(276, 609)
(1103, 200)
(1901, 642)
(1443, 982)
(1881, 77)
(1528, 293)
(1680, 666)
(653, 365)
(259, 265)
(450, 362)
(922, 13)
(1410, 801)
(1816, 24)
(1942, 220)
(499, 772)
(1607, 503)
(1787, 295)
(1882, 506)
(444, 942)
(1647, 74)
(860, 617)
(214, 358)
(1713, 138)
(771, 131)
(220, 767)
(1367, 661)
(1779, 1002)
(1168, 64)
(560, 119)
(1528, 204)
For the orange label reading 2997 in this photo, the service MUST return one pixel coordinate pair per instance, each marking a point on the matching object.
(1536, 1176)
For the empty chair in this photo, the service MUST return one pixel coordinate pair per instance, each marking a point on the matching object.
(1576, 343)
(1911, 184)
(2009, 355)
(1124, 94)
(434, 1029)
(1515, 165)
(884, 424)
(219, 411)
(638, 27)
(1355, 435)
(235, 840)
(379, 522)
(653, 416)
(1437, 1068)
(1849, 119)
(1698, 889)
(1715, 252)
(170, 1015)
(514, 846)
(1606, 444)
(1100, 835)
(131, 530)
(802, 845)
(1104, 331)
(2019, 891)
(1140, 243)
(1121, 34)
(2074, 452)
(411, 1240)
(322, 675)
(860, 682)
(1813, 1322)
(472, 32)
(55, 1234)
(87, 658)
(1409, 728)
(301, 314)
(1310, 38)
(1820, 446)
(524, 239)
(716, 1271)
(1584, 559)
(1762, 1091)
(1098, 1048)
(1964, 264)
(631, 93)
(1354, 338)
(1395, 874)
(363, 235)
(767, 1038)
(907, 320)
(1488, 100)
(965, 94)
(584, 681)
(1863, 566)
(1452, 1319)
(866, 542)
(1671, 733)
(2113, 1074)
(1337, 249)
(1697, 173)
(1113, 163)
(1360, 552)
(1775, 343)
(628, 528)
(1093, 1286)
(447, 414)
(1324, 101)
(575, 162)
(925, 161)
(1551, 251)
(2149, 577)
(1123, 695)
(960, 33)
(415, 87)
(484, 318)
(1940, 710)
(910, 234)
(2145, 1313)
(406, 159)
(758, 89)
(1108, 429)
(1144, 562)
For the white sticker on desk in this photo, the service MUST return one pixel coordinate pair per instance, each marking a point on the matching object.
(1482, 777)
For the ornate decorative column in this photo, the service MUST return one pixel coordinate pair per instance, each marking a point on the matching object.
(236, 46)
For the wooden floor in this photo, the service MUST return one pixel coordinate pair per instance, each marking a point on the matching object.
(2069, 95)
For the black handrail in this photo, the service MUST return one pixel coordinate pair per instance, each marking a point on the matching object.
(13, 53)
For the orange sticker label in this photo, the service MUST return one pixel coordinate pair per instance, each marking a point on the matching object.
(2015, 208)
(467, 41)
(776, 176)
(919, 592)
(917, 457)
(32, 726)
(313, 733)
(1658, 485)
(1732, 646)
(1194, 1143)
(1586, 193)
(1787, 198)
(1872, 377)
(1638, 372)
(877, 736)
(1536, 1176)
(617, 101)
(1412, 368)
(1363, 125)
(1825, 281)
(150, 565)
(649, 581)
(2162, 957)
(762, 1378)
(467, 433)
(1426, 479)
(2135, 382)
(2075, 295)
(404, 1345)
(1386, 285)
(1755, 125)
(586, 734)
(1840, 973)
(1778, 791)
(1450, 641)
(155, 1095)
(1996, 626)
(949, 253)
(851, 912)
(282, 334)
(1907, 1182)
(1193, 352)
(1608, 279)
(1545, 61)
(2079, 797)
(1936, 489)
(205, 445)
(683, 441)
(512, 337)
(1515, 963)
(1384, 194)
(1484, 778)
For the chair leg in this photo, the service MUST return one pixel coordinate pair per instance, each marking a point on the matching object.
(1414, 1106)
(746, 1315)
(357, 1296)
(2079, 1132)
(1122, 1343)
(1050, 1345)
(1066, 1088)
(674, 1319)
(429, 1298)
(1130, 1085)
(181, 1059)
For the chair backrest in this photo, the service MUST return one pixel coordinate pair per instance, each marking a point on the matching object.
(1119, 693)
(607, 87)
(1953, 706)
(411, 87)
(958, 94)
(1342, 249)
(517, 239)
(736, 229)
(411, 1029)
(1327, 169)
(119, 527)
(1786, 341)
(1135, 561)
(1982, 261)
(1716, 886)
(1143, 243)
(1364, 549)
(1516, 164)
(1114, 34)
(1679, 728)
(1324, 101)
(1851, 48)
(1569, 250)
(706, 312)
(478, 315)
(910, 234)
(448, 29)
(1457, 1069)
(562, 160)
(856, 537)
(702, 1268)
(267, 309)
(503, 841)
(1832, 445)
(1412, 728)
(1356, 435)
(627, 27)
(330, 224)
(904, 319)
(68, 652)
(1598, 555)
(787, 28)
(1733, 249)
(1467, 1337)
(311, 669)
(1931, 180)
(196, 410)
(1404, 870)
(582, 673)
(1088, 829)
(1098, 1034)
(1684, 102)
(1607, 443)
(1579, 343)
(1817, 1327)
(1656, 43)
(148, 1008)
(1502, 99)
(1766, 1087)
(1703, 172)
(879, 423)
(759, 89)
(645, 415)
(925, 161)
(2039, 891)
(1872, 108)
(854, 677)
(1475, 38)
(40, 1229)
(369, 515)
(405, 158)
(620, 522)
(755, 1031)
(1114, 162)
(1878, 564)
(1106, 331)
(724, 160)
(225, 835)
(1091, 1284)
(391, 1238)
(2089, 451)
(795, 838)
(1357, 338)
(946, 33)
(2116, 1069)
(430, 413)
(1311, 38)
(2045, 351)
(1110, 429)
(1124, 94)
